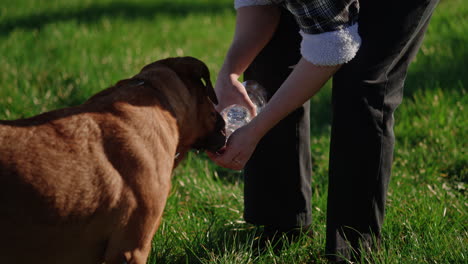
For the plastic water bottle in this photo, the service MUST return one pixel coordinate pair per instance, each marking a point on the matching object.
(236, 116)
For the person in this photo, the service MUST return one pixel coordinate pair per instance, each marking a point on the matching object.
(292, 48)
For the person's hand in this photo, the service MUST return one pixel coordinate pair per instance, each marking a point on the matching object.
(305, 80)
(238, 150)
(230, 91)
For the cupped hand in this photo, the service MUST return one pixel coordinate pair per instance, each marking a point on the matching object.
(238, 150)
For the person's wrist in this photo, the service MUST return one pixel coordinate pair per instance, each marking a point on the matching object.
(228, 73)
(254, 132)
(231, 66)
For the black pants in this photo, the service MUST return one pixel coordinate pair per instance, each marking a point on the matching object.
(366, 92)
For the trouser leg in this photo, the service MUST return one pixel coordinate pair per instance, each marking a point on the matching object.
(366, 93)
(277, 177)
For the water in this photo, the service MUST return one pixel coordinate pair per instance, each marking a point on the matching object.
(236, 115)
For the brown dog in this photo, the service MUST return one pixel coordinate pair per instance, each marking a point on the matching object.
(88, 184)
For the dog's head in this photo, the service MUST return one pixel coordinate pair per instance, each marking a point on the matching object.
(209, 126)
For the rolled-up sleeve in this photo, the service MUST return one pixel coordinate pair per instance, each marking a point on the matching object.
(331, 48)
(329, 29)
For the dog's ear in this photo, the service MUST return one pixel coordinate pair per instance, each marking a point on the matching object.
(199, 72)
(194, 69)
(205, 76)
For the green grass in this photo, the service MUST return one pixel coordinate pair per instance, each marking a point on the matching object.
(57, 53)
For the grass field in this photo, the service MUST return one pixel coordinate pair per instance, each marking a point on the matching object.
(56, 53)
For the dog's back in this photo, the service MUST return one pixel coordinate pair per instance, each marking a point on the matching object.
(49, 204)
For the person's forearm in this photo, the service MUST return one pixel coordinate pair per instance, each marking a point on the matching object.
(303, 83)
(255, 26)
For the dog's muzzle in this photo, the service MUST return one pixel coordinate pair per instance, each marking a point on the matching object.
(214, 140)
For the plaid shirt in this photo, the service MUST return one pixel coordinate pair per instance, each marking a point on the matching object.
(316, 16)
(329, 28)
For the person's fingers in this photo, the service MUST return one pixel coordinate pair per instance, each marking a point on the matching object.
(227, 160)
(231, 91)
(235, 154)
(250, 106)
(218, 159)
(233, 163)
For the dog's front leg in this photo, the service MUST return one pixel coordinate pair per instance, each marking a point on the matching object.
(131, 243)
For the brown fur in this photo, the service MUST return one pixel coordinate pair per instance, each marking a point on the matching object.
(88, 184)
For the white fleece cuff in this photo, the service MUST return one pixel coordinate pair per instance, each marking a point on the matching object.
(241, 3)
(331, 48)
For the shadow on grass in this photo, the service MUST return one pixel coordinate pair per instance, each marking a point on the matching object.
(447, 75)
(127, 10)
